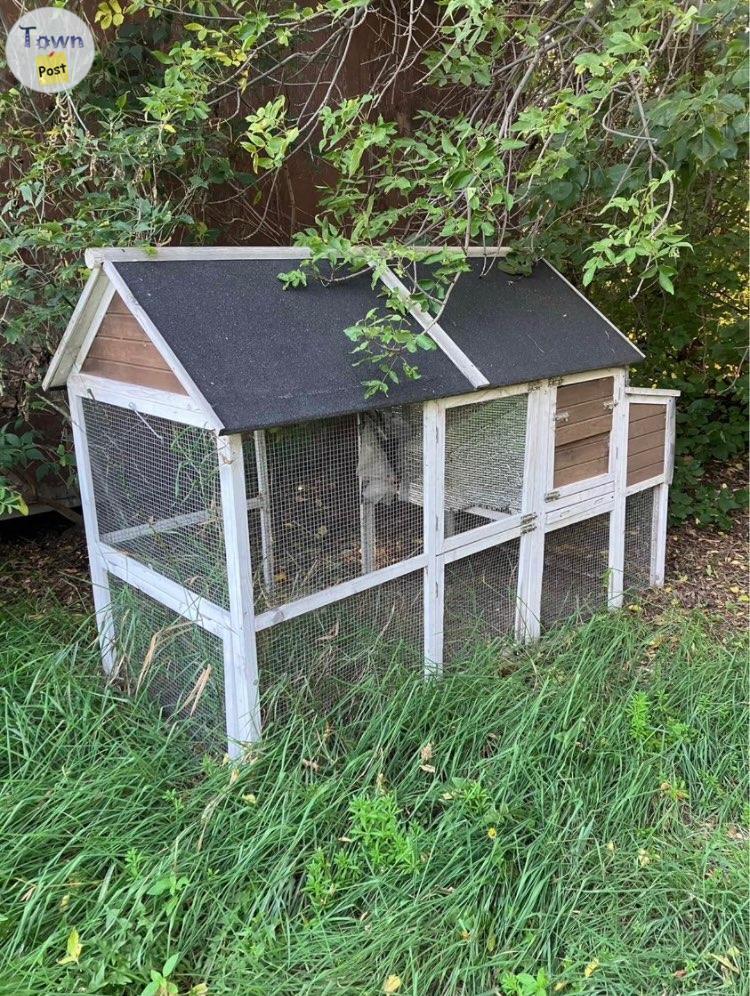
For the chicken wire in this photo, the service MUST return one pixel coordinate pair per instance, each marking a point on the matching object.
(341, 501)
(172, 661)
(480, 601)
(576, 564)
(639, 512)
(157, 495)
(484, 461)
(317, 657)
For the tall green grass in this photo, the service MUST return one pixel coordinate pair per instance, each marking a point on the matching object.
(580, 814)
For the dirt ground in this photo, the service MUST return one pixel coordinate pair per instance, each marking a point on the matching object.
(708, 569)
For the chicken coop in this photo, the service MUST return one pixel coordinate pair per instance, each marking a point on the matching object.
(255, 522)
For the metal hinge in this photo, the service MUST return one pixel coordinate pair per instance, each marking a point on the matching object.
(560, 417)
(609, 405)
(528, 517)
(552, 496)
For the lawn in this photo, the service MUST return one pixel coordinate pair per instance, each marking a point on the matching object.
(572, 818)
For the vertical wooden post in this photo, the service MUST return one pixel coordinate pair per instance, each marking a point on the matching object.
(618, 467)
(661, 501)
(433, 472)
(241, 691)
(537, 474)
(366, 517)
(99, 574)
(264, 493)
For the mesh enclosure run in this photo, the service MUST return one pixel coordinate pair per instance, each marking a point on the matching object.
(480, 601)
(340, 501)
(174, 662)
(576, 562)
(484, 461)
(157, 495)
(319, 656)
(639, 514)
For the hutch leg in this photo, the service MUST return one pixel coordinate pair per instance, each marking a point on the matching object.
(264, 493)
(618, 462)
(242, 697)
(433, 473)
(99, 574)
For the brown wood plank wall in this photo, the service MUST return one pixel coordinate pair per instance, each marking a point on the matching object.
(582, 438)
(647, 439)
(122, 351)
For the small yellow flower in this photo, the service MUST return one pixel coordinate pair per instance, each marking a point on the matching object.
(492, 833)
(392, 984)
(250, 799)
(590, 968)
(611, 847)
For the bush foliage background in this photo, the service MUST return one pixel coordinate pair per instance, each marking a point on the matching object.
(610, 138)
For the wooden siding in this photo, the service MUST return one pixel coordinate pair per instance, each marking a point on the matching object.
(584, 423)
(647, 437)
(122, 351)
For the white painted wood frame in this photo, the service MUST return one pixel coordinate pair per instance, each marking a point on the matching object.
(618, 463)
(264, 504)
(337, 592)
(98, 568)
(433, 475)
(242, 691)
(568, 515)
(661, 500)
(539, 461)
(146, 400)
(366, 515)
(181, 600)
(166, 525)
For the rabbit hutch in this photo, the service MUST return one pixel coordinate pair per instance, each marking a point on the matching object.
(252, 519)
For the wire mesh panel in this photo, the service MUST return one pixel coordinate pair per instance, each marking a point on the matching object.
(321, 654)
(484, 460)
(639, 509)
(339, 503)
(576, 562)
(480, 600)
(171, 660)
(157, 495)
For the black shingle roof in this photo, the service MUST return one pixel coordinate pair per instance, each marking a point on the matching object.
(265, 356)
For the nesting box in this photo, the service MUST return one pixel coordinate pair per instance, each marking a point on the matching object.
(253, 519)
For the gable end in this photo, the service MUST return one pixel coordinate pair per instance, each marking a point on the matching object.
(122, 351)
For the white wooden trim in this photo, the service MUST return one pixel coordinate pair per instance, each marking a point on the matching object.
(577, 513)
(539, 456)
(86, 306)
(601, 484)
(327, 596)
(264, 503)
(491, 394)
(99, 577)
(140, 315)
(659, 534)
(92, 328)
(366, 516)
(181, 600)
(166, 525)
(242, 690)
(433, 476)
(146, 400)
(593, 308)
(618, 452)
(650, 392)
(454, 353)
(481, 543)
(651, 482)
(482, 537)
(582, 375)
(97, 257)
